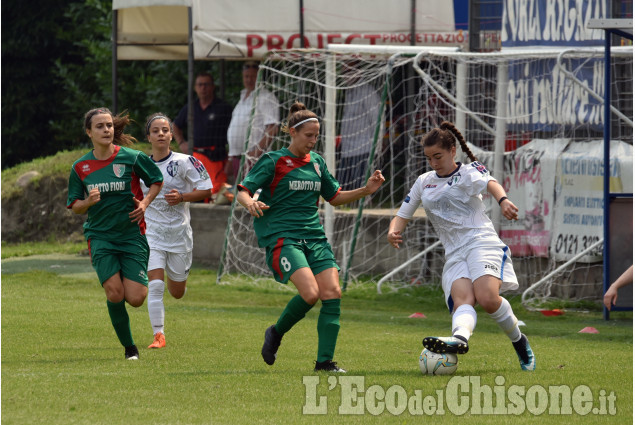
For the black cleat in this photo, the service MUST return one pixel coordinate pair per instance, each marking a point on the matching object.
(525, 353)
(132, 353)
(328, 366)
(443, 345)
(271, 344)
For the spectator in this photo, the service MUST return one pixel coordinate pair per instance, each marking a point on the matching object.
(264, 125)
(211, 120)
(359, 120)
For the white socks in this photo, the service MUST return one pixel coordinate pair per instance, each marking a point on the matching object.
(464, 321)
(505, 318)
(156, 311)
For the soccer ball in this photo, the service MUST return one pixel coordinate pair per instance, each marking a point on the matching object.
(432, 363)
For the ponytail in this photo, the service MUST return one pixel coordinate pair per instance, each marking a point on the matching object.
(445, 136)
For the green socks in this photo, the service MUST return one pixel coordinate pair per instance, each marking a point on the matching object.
(121, 322)
(328, 326)
(295, 310)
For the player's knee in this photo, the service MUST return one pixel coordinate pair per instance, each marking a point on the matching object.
(136, 298)
(177, 291)
(489, 302)
(331, 293)
(310, 297)
(114, 294)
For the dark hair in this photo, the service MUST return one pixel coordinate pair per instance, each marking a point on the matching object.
(298, 112)
(444, 136)
(251, 64)
(204, 74)
(119, 122)
(156, 116)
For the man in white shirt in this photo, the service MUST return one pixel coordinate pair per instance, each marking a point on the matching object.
(264, 126)
(359, 120)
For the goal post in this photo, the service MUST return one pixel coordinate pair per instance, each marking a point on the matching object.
(529, 116)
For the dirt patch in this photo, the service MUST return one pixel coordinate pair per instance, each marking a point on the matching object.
(39, 212)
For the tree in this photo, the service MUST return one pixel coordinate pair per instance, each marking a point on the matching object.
(58, 64)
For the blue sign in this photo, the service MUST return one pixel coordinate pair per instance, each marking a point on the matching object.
(540, 97)
(552, 22)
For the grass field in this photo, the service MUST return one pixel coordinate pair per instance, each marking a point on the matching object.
(62, 363)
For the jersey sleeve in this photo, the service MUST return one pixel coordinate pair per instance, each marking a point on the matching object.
(147, 170)
(477, 178)
(330, 186)
(413, 200)
(197, 175)
(260, 175)
(76, 189)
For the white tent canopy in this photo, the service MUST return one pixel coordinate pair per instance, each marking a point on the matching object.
(242, 29)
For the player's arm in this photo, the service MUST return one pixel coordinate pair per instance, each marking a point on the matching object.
(140, 206)
(255, 208)
(610, 297)
(81, 206)
(174, 197)
(180, 139)
(397, 226)
(347, 196)
(509, 210)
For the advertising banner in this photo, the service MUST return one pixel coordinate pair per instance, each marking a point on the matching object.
(529, 178)
(248, 30)
(528, 23)
(578, 212)
(541, 98)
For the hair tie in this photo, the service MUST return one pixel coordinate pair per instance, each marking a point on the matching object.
(155, 118)
(303, 121)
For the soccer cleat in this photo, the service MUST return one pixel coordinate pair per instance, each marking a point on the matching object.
(271, 344)
(132, 353)
(328, 366)
(159, 341)
(443, 345)
(525, 353)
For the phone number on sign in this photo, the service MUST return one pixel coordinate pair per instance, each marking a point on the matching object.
(572, 244)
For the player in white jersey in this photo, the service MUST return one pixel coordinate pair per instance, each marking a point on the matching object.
(478, 264)
(169, 232)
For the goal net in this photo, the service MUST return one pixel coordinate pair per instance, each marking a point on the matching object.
(535, 119)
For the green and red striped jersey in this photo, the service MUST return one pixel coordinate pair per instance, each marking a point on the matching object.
(291, 187)
(117, 179)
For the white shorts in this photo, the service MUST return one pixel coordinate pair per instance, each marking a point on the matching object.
(176, 264)
(472, 263)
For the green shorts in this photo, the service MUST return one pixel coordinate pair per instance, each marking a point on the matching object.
(130, 257)
(289, 255)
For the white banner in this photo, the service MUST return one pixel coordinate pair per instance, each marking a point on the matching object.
(578, 212)
(249, 29)
(557, 186)
(529, 178)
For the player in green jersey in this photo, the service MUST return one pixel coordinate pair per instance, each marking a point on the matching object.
(287, 224)
(105, 184)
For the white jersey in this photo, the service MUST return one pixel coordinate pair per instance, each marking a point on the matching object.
(454, 206)
(266, 113)
(168, 227)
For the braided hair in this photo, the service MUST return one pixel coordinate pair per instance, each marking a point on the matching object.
(445, 136)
